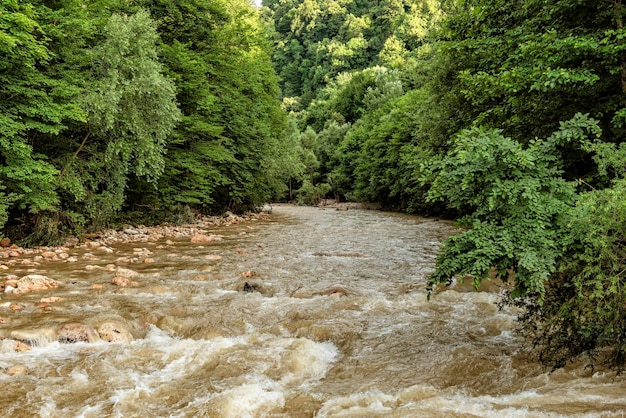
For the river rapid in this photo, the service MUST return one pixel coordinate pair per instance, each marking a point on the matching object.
(306, 313)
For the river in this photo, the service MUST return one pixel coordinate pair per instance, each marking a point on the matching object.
(309, 312)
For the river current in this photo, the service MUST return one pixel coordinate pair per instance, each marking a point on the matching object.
(308, 313)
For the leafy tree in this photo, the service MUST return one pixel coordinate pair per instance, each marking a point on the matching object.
(32, 104)
(220, 155)
(517, 200)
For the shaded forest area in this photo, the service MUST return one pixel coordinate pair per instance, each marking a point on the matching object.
(509, 115)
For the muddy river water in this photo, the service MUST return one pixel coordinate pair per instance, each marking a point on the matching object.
(308, 312)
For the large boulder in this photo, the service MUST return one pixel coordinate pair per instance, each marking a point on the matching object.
(114, 332)
(34, 282)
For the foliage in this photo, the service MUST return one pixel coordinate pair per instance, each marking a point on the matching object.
(516, 196)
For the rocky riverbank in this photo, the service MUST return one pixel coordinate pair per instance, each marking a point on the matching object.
(12, 255)
(25, 285)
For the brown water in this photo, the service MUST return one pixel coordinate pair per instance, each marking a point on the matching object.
(312, 313)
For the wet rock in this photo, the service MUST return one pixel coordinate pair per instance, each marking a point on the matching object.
(126, 273)
(123, 281)
(249, 288)
(255, 286)
(16, 307)
(202, 238)
(52, 299)
(114, 332)
(16, 370)
(148, 260)
(48, 254)
(241, 251)
(96, 286)
(34, 282)
(336, 291)
(248, 274)
(14, 254)
(20, 347)
(3, 267)
(72, 259)
(73, 332)
(213, 257)
(2, 321)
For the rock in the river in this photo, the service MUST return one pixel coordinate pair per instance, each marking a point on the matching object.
(127, 273)
(16, 370)
(34, 282)
(123, 281)
(255, 286)
(20, 346)
(202, 238)
(114, 332)
(74, 332)
(52, 299)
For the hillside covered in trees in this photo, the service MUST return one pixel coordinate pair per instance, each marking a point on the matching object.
(509, 115)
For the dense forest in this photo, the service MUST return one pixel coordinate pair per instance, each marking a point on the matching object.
(509, 115)
(151, 110)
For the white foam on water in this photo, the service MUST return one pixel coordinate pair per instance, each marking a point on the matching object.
(249, 400)
(424, 400)
(307, 361)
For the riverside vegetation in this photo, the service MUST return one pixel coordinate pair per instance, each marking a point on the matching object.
(509, 115)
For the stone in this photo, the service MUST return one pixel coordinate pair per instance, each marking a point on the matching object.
(48, 254)
(16, 307)
(202, 238)
(16, 370)
(51, 299)
(14, 254)
(213, 257)
(127, 273)
(148, 260)
(96, 286)
(20, 346)
(113, 332)
(248, 274)
(241, 251)
(73, 332)
(123, 281)
(34, 282)
(5, 242)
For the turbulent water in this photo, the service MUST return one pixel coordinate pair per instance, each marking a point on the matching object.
(311, 313)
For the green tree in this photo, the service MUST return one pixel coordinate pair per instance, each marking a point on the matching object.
(32, 104)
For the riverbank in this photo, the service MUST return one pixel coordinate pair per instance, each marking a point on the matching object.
(12, 255)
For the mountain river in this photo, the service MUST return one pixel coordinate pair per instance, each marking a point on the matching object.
(307, 312)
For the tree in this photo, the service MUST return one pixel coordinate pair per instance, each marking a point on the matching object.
(32, 104)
